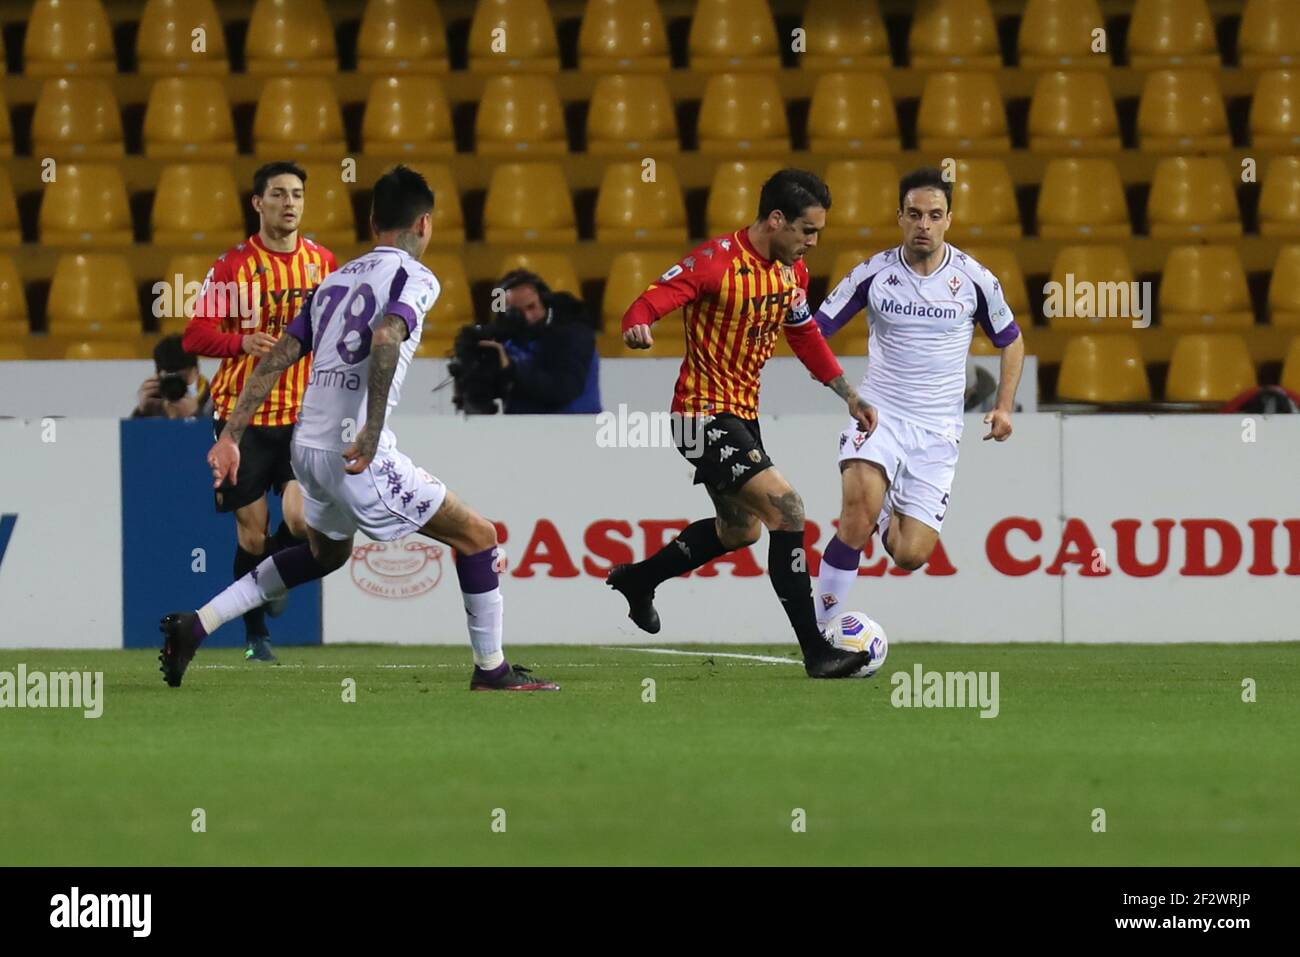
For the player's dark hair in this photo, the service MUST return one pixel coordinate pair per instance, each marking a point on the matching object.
(401, 196)
(268, 171)
(792, 191)
(522, 277)
(927, 177)
(168, 356)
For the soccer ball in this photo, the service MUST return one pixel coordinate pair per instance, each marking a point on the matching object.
(854, 631)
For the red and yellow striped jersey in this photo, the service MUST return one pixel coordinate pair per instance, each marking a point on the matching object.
(736, 303)
(254, 289)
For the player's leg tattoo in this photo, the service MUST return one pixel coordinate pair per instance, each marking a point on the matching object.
(737, 526)
(789, 506)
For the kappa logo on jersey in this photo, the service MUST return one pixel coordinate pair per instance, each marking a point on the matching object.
(715, 434)
(724, 243)
(727, 452)
(893, 280)
(689, 263)
(738, 470)
(954, 283)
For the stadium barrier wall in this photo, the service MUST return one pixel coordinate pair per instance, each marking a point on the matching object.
(1079, 529)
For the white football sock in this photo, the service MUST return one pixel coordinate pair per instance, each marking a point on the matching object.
(256, 588)
(834, 582)
(483, 614)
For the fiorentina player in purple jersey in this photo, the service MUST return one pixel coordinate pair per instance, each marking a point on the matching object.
(922, 300)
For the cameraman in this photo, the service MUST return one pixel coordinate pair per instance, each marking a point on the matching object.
(539, 357)
(175, 390)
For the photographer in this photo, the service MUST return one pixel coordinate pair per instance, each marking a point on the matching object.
(539, 357)
(175, 390)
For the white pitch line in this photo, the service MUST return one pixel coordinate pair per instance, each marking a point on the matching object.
(766, 659)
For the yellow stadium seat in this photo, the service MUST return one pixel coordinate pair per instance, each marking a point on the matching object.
(454, 307)
(1082, 199)
(6, 130)
(1172, 33)
(1106, 271)
(10, 230)
(1203, 289)
(407, 117)
(961, 114)
(864, 201)
(555, 269)
(86, 205)
(68, 38)
(184, 273)
(298, 118)
(93, 295)
(164, 45)
(983, 203)
(953, 35)
(290, 37)
(1279, 198)
(1284, 289)
(852, 113)
(1270, 35)
(844, 263)
(743, 114)
(729, 36)
(1206, 367)
(1291, 367)
(14, 350)
(1073, 112)
(448, 217)
(631, 211)
(327, 216)
(733, 194)
(188, 118)
(77, 118)
(529, 203)
(630, 274)
(520, 116)
(197, 205)
(1101, 369)
(107, 349)
(401, 36)
(509, 36)
(631, 113)
(1181, 111)
(1275, 110)
(1006, 267)
(13, 298)
(1058, 35)
(845, 36)
(622, 36)
(1193, 198)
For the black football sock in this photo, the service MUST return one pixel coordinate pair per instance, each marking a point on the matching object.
(255, 620)
(283, 538)
(697, 544)
(787, 567)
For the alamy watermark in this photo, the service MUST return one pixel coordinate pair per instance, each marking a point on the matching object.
(1083, 299)
(179, 299)
(632, 429)
(56, 689)
(946, 689)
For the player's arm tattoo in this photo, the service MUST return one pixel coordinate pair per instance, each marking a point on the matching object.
(840, 387)
(385, 349)
(286, 351)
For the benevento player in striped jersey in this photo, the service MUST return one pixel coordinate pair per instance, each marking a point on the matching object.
(740, 292)
(250, 294)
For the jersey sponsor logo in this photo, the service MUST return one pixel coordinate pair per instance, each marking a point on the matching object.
(892, 307)
(405, 568)
(671, 274)
(335, 379)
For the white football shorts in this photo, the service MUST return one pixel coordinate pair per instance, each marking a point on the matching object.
(391, 498)
(919, 463)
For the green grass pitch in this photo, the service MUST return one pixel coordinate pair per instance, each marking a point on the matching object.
(711, 772)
